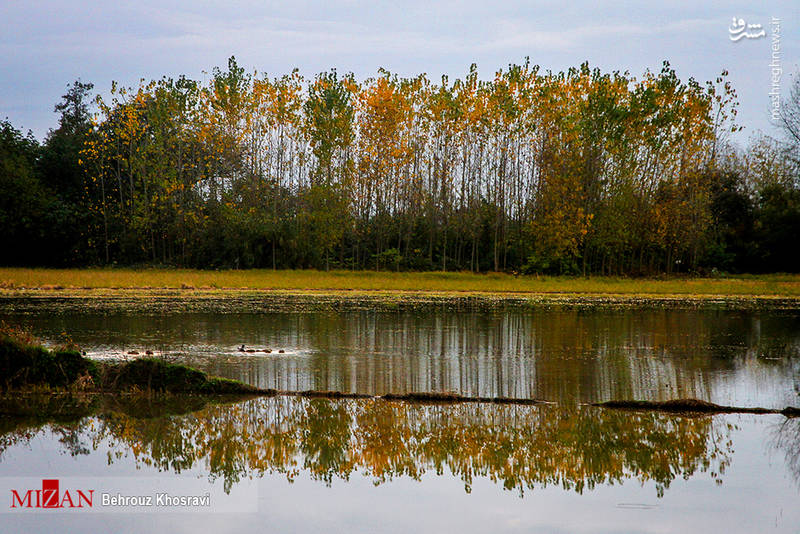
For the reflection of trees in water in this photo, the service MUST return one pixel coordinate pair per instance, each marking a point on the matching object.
(554, 354)
(520, 447)
(322, 432)
(71, 437)
(23, 417)
(785, 438)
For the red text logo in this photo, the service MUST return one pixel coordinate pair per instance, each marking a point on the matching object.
(50, 497)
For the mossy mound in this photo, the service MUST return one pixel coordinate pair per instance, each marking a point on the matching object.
(26, 365)
(23, 365)
(693, 406)
(152, 374)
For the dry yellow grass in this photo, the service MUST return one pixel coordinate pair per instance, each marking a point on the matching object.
(766, 285)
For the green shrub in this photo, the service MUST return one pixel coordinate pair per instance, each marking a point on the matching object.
(27, 365)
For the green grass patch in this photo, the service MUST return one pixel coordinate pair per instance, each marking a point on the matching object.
(152, 374)
(779, 285)
(26, 364)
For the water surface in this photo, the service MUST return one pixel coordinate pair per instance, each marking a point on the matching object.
(748, 358)
(377, 466)
(383, 466)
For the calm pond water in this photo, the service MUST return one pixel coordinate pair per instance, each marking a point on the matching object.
(745, 358)
(377, 466)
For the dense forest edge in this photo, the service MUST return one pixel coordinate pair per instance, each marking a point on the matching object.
(575, 172)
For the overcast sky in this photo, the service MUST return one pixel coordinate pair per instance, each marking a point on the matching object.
(44, 46)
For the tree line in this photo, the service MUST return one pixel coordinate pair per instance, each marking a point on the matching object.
(572, 172)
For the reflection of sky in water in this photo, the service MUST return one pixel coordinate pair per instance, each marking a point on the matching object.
(730, 357)
(757, 491)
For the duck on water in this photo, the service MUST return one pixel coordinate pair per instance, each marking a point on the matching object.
(267, 351)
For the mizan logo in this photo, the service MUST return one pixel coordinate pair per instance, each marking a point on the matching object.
(50, 497)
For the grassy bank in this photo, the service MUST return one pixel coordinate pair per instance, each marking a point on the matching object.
(26, 365)
(787, 286)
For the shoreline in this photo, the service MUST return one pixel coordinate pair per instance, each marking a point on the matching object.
(688, 407)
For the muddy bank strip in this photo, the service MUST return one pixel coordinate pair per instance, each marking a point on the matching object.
(678, 406)
(692, 406)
